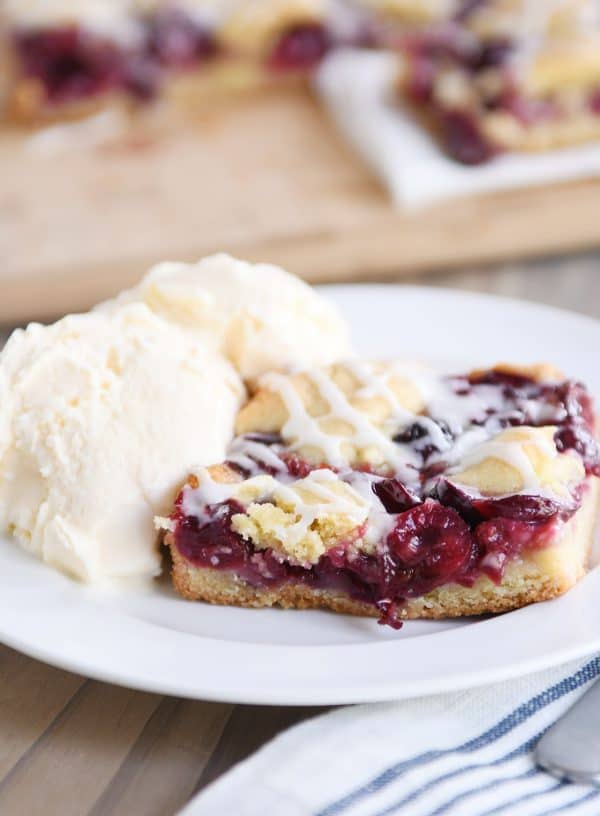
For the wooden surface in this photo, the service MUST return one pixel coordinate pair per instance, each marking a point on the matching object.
(71, 747)
(267, 178)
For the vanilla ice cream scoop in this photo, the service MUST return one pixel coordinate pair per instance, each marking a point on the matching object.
(257, 315)
(102, 416)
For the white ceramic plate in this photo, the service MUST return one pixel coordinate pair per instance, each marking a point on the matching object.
(155, 641)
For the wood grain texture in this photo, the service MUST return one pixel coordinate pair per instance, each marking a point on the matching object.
(71, 746)
(37, 783)
(267, 178)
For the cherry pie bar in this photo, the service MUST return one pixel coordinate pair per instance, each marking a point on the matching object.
(489, 76)
(387, 489)
(66, 58)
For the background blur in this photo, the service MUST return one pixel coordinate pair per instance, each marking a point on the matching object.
(136, 132)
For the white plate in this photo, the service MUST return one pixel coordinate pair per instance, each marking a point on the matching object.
(155, 641)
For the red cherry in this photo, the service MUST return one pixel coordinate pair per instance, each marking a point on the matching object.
(433, 541)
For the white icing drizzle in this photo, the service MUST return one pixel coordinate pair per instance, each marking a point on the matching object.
(461, 447)
(458, 410)
(359, 504)
(247, 453)
(512, 454)
(455, 409)
(209, 491)
(380, 523)
(320, 484)
(453, 402)
(303, 430)
(300, 425)
(377, 386)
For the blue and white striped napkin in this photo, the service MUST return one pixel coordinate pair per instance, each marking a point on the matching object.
(462, 754)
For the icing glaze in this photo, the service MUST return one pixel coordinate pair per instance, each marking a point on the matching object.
(463, 423)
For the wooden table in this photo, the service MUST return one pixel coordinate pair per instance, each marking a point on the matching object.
(71, 746)
(266, 177)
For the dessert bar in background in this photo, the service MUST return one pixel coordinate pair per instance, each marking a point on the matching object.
(390, 490)
(504, 75)
(485, 76)
(67, 58)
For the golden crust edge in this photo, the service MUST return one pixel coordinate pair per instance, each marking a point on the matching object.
(577, 129)
(524, 582)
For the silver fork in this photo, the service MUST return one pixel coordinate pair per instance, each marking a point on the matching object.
(570, 749)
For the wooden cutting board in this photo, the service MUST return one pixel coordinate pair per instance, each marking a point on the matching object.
(265, 177)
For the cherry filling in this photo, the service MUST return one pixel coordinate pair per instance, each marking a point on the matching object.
(448, 46)
(594, 103)
(464, 139)
(70, 63)
(395, 496)
(517, 508)
(438, 533)
(300, 48)
(567, 405)
(430, 545)
(73, 64)
(451, 46)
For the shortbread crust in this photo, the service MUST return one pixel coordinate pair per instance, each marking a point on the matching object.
(493, 473)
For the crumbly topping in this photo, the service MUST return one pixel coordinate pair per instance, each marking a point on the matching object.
(339, 414)
(519, 460)
(304, 519)
(300, 519)
(345, 414)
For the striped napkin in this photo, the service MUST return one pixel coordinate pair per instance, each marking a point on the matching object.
(462, 754)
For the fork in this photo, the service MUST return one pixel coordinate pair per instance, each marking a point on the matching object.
(570, 749)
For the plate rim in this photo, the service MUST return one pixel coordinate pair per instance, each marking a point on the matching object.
(329, 693)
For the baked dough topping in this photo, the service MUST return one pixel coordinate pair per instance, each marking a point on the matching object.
(397, 417)
(347, 414)
(332, 456)
(519, 460)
